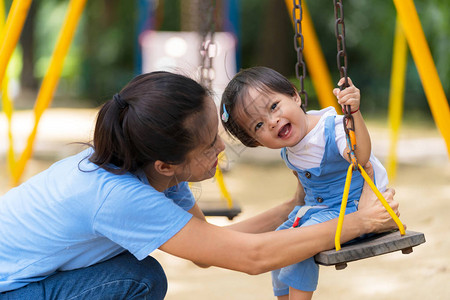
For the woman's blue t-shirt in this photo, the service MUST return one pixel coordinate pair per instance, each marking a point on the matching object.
(75, 214)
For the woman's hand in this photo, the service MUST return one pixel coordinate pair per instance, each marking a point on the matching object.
(375, 218)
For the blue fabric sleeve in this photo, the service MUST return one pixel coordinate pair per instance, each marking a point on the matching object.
(181, 194)
(142, 223)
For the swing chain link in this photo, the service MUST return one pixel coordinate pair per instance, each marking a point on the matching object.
(208, 48)
(341, 57)
(300, 67)
(340, 38)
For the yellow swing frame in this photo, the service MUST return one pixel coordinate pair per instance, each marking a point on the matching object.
(9, 38)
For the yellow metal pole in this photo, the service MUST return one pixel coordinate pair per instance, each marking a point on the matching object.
(315, 60)
(6, 101)
(425, 65)
(8, 109)
(11, 32)
(51, 79)
(400, 54)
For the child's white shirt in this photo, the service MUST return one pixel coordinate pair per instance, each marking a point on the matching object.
(308, 153)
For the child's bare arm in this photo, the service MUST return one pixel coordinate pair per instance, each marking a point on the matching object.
(273, 218)
(351, 96)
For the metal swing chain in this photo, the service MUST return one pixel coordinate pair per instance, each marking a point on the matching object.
(340, 38)
(207, 47)
(341, 57)
(208, 50)
(300, 67)
(349, 127)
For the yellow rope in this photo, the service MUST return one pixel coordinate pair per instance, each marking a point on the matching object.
(383, 201)
(337, 237)
(348, 180)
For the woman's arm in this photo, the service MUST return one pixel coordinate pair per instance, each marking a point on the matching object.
(266, 221)
(206, 244)
(197, 212)
(272, 218)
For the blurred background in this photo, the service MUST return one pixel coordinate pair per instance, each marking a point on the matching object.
(106, 51)
(116, 40)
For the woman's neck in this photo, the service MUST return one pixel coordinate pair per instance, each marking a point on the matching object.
(160, 182)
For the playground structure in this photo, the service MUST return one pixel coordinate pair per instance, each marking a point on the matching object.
(408, 33)
(376, 245)
(9, 38)
(408, 30)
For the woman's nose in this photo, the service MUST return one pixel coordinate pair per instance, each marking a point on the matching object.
(220, 145)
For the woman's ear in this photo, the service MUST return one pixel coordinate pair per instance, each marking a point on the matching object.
(164, 168)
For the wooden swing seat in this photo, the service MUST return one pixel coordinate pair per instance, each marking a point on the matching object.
(372, 246)
(219, 208)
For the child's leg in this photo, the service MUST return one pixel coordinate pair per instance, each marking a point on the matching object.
(121, 277)
(302, 277)
(295, 294)
(281, 290)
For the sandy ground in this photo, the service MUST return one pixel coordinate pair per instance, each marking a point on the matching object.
(258, 180)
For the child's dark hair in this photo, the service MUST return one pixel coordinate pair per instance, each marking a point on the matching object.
(265, 80)
(150, 119)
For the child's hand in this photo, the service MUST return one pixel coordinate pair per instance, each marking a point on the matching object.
(348, 96)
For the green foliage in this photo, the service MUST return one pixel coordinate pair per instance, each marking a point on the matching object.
(102, 57)
(370, 30)
(50, 16)
(170, 15)
(369, 34)
(434, 17)
(109, 44)
(251, 29)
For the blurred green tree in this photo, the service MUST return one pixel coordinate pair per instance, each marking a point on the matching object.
(109, 41)
(103, 58)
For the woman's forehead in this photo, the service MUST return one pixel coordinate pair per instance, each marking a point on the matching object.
(208, 123)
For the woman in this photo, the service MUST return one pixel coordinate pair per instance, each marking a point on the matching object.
(86, 226)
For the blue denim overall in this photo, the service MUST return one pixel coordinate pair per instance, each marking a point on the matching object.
(324, 186)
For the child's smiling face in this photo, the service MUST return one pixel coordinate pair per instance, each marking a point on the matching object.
(275, 120)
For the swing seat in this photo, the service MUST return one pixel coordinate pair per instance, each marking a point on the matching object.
(219, 209)
(371, 246)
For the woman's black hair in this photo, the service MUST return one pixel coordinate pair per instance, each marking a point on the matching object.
(263, 79)
(149, 119)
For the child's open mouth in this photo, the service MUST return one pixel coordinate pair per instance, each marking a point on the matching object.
(285, 130)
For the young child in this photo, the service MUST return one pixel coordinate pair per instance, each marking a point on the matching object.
(261, 107)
